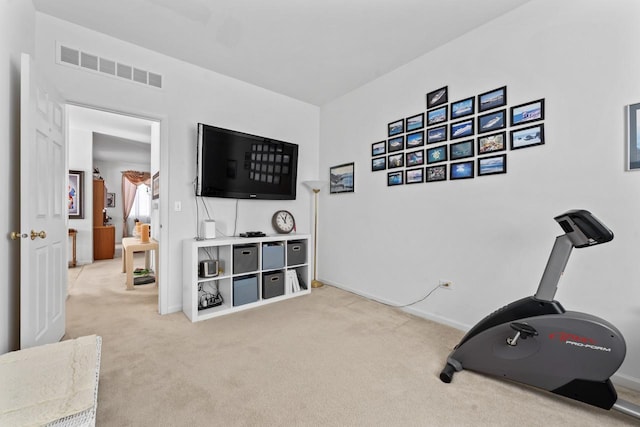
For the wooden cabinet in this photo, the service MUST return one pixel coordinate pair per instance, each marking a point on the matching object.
(104, 236)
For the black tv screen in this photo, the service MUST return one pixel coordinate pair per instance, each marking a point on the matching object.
(243, 166)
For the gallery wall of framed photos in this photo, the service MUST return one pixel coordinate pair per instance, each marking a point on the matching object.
(463, 139)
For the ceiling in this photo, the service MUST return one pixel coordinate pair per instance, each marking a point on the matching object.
(314, 51)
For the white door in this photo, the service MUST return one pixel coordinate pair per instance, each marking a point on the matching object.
(43, 222)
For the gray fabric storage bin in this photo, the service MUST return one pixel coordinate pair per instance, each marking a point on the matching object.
(245, 290)
(245, 258)
(272, 256)
(296, 252)
(272, 284)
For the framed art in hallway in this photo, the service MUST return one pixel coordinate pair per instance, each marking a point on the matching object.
(415, 122)
(437, 115)
(492, 121)
(492, 143)
(155, 186)
(395, 128)
(395, 161)
(394, 178)
(633, 137)
(378, 164)
(75, 194)
(492, 165)
(462, 108)
(341, 178)
(436, 173)
(462, 170)
(415, 176)
(378, 148)
(111, 200)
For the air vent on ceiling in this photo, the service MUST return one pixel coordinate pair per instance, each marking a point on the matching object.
(69, 56)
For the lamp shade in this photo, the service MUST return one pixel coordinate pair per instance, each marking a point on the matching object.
(315, 185)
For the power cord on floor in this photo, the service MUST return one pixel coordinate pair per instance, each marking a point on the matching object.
(441, 285)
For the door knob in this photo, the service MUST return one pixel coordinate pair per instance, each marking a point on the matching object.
(35, 234)
(16, 235)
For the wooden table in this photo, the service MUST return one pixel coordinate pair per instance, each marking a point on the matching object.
(73, 232)
(131, 245)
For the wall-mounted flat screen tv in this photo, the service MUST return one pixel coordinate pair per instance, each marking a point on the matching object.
(242, 166)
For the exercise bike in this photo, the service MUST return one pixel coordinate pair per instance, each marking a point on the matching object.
(535, 341)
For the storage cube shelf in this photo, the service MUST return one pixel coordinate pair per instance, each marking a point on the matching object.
(244, 264)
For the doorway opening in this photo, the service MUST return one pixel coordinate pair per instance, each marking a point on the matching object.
(105, 144)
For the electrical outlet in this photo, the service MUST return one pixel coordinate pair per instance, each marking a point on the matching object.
(447, 284)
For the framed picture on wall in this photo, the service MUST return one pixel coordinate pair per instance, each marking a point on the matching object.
(462, 170)
(414, 176)
(462, 108)
(395, 128)
(492, 143)
(415, 139)
(461, 150)
(492, 121)
(75, 194)
(437, 115)
(492, 99)
(633, 137)
(529, 112)
(378, 164)
(395, 144)
(395, 161)
(436, 134)
(437, 154)
(527, 137)
(155, 186)
(111, 200)
(378, 148)
(341, 178)
(415, 122)
(462, 128)
(492, 165)
(394, 178)
(437, 97)
(436, 173)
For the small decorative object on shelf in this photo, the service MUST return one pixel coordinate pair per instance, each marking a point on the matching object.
(283, 222)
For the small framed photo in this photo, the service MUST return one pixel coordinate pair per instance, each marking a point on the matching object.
(155, 186)
(394, 178)
(111, 200)
(493, 99)
(75, 194)
(395, 144)
(436, 134)
(492, 165)
(437, 115)
(437, 97)
(341, 178)
(492, 143)
(462, 129)
(378, 148)
(527, 137)
(436, 173)
(633, 136)
(437, 154)
(462, 170)
(395, 161)
(462, 108)
(461, 150)
(414, 176)
(415, 122)
(492, 121)
(415, 158)
(526, 113)
(378, 164)
(395, 128)
(415, 139)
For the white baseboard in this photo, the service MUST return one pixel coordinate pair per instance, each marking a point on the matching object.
(626, 381)
(174, 309)
(411, 310)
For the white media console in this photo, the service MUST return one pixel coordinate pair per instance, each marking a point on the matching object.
(251, 272)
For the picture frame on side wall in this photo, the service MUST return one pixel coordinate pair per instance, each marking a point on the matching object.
(492, 143)
(526, 113)
(378, 148)
(75, 194)
(395, 128)
(341, 178)
(437, 154)
(633, 137)
(436, 134)
(395, 178)
(437, 115)
(527, 137)
(415, 122)
(414, 176)
(462, 108)
(395, 161)
(378, 164)
(492, 165)
(492, 99)
(155, 186)
(415, 139)
(110, 202)
(395, 144)
(461, 150)
(492, 121)
(436, 173)
(462, 170)
(461, 129)
(437, 97)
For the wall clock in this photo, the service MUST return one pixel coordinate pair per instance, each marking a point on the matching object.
(283, 222)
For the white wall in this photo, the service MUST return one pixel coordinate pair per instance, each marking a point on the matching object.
(190, 95)
(492, 235)
(80, 159)
(17, 23)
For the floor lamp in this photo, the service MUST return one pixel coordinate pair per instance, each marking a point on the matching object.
(315, 186)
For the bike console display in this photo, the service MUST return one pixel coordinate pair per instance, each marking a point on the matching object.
(584, 229)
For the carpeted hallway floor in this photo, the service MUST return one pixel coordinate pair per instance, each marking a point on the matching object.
(327, 359)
